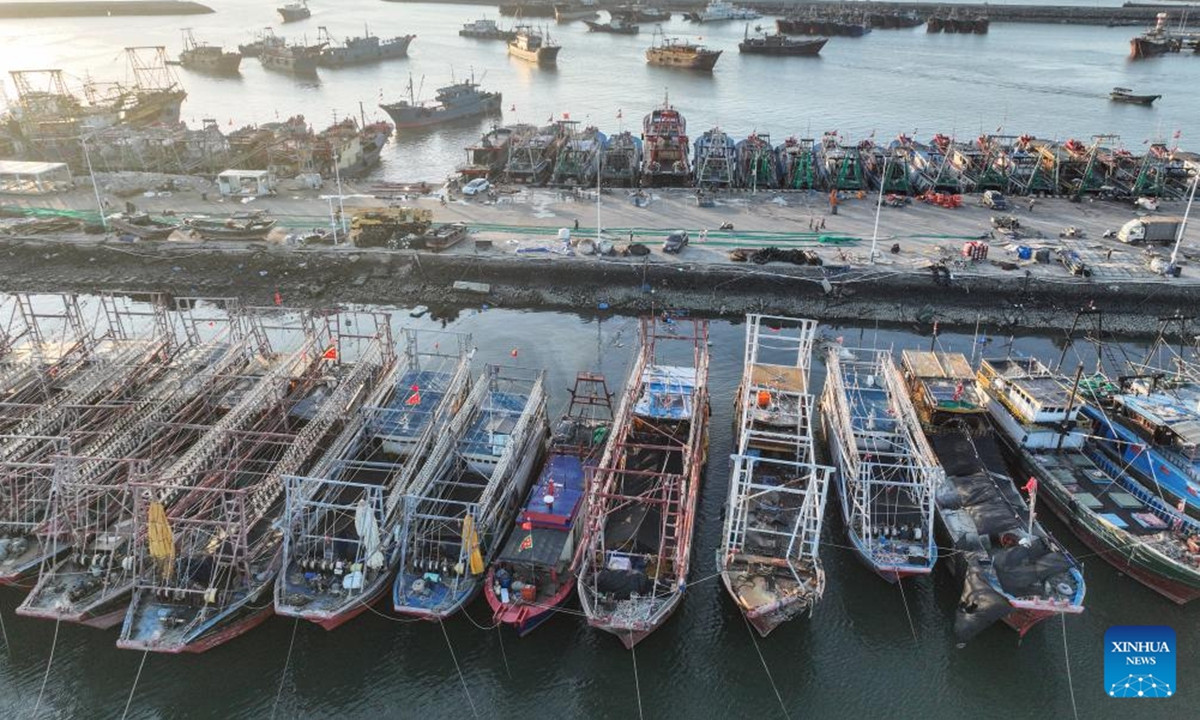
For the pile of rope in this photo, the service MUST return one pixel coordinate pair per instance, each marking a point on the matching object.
(766, 255)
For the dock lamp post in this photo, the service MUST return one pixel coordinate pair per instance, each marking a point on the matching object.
(337, 160)
(879, 205)
(87, 157)
(1183, 225)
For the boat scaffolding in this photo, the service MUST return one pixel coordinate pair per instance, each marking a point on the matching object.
(798, 164)
(621, 160)
(637, 543)
(120, 362)
(769, 556)
(341, 542)
(203, 572)
(579, 159)
(462, 503)
(887, 473)
(715, 159)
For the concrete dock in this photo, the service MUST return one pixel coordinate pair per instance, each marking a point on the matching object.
(525, 264)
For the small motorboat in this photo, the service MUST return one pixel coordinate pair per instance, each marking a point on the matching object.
(1125, 95)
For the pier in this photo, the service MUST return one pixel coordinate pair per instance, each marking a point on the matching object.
(101, 8)
(1128, 14)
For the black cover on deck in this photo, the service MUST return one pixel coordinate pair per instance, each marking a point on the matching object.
(547, 546)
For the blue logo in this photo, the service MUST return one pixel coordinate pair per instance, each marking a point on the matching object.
(1139, 661)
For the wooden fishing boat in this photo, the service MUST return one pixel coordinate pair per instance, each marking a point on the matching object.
(340, 548)
(142, 226)
(887, 473)
(462, 504)
(1010, 568)
(249, 226)
(769, 559)
(534, 573)
(1125, 95)
(637, 545)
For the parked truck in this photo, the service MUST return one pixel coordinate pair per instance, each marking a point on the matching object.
(1150, 230)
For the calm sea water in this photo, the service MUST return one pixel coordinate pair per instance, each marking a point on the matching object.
(1047, 80)
(870, 649)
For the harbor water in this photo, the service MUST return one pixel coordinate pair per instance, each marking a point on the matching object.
(1051, 81)
(869, 649)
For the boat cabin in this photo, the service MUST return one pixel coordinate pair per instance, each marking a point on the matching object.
(1170, 420)
(942, 386)
(1029, 390)
(241, 183)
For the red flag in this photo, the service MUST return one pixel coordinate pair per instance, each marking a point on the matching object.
(526, 544)
(526, 525)
(550, 487)
(278, 298)
(514, 352)
(566, 116)
(958, 391)
(330, 353)
(1031, 486)
(414, 399)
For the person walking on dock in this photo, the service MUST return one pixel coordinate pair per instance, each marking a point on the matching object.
(576, 223)
(1032, 201)
(822, 225)
(833, 202)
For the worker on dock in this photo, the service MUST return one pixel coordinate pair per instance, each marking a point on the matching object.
(833, 202)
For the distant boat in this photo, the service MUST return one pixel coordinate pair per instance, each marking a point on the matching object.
(295, 11)
(458, 100)
(673, 52)
(780, 44)
(299, 59)
(142, 226)
(361, 50)
(619, 26)
(210, 58)
(1125, 95)
(262, 40)
(717, 10)
(532, 46)
(566, 12)
(485, 29)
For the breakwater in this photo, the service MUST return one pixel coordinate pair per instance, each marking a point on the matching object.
(1050, 14)
(100, 8)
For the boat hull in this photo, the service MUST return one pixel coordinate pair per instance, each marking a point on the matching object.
(409, 117)
(701, 61)
(545, 55)
(235, 629)
(526, 617)
(799, 49)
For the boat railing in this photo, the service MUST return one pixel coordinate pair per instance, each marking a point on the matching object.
(501, 487)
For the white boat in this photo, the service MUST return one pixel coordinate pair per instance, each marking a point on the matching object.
(718, 10)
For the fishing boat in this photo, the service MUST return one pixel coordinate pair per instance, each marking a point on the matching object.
(486, 29)
(568, 12)
(1010, 568)
(239, 226)
(340, 545)
(718, 10)
(1041, 420)
(887, 473)
(769, 559)
(204, 570)
(673, 52)
(141, 226)
(1153, 433)
(578, 158)
(486, 159)
(295, 11)
(461, 506)
(621, 160)
(665, 147)
(757, 162)
(619, 25)
(92, 500)
(715, 159)
(532, 46)
(451, 102)
(841, 164)
(778, 44)
(528, 9)
(641, 509)
(298, 59)
(534, 573)
(638, 13)
(1125, 95)
(208, 58)
(798, 164)
(1158, 40)
(263, 39)
(361, 50)
(532, 154)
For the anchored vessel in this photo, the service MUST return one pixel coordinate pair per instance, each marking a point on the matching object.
(769, 559)
(452, 102)
(486, 29)
(1042, 422)
(779, 44)
(462, 503)
(298, 59)
(621, 160)
(340, 545)
(637, 543)
(673, 52)
(210, 58)
(532, 46)
(566, 12)
(360, 50)
(887, 473)
(1125, 95)
(534, 573)
(1010, 567)
(619, 25)
(665, 148)
(262, 39)
(294, 11)
(717, 10)
(204, 570)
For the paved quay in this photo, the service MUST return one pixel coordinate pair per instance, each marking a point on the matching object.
(525, 264)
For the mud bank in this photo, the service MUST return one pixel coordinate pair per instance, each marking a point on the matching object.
(257, 273)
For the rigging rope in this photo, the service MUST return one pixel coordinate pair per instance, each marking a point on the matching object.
(132, 690)
(461, 677)
(1067, 657)
(637, 685)
(762, 659)
(286, 663)
(49, 662)
(504, 655)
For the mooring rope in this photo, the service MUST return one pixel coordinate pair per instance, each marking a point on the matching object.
(637, 685)
(132, 690)
(912, 627)
(4, 632)
(504, 655)
(766, 669)
(49, 662)
(286, 663)
(1067, 656)
(462, 678)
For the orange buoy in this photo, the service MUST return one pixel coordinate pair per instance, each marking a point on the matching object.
(764, 398)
